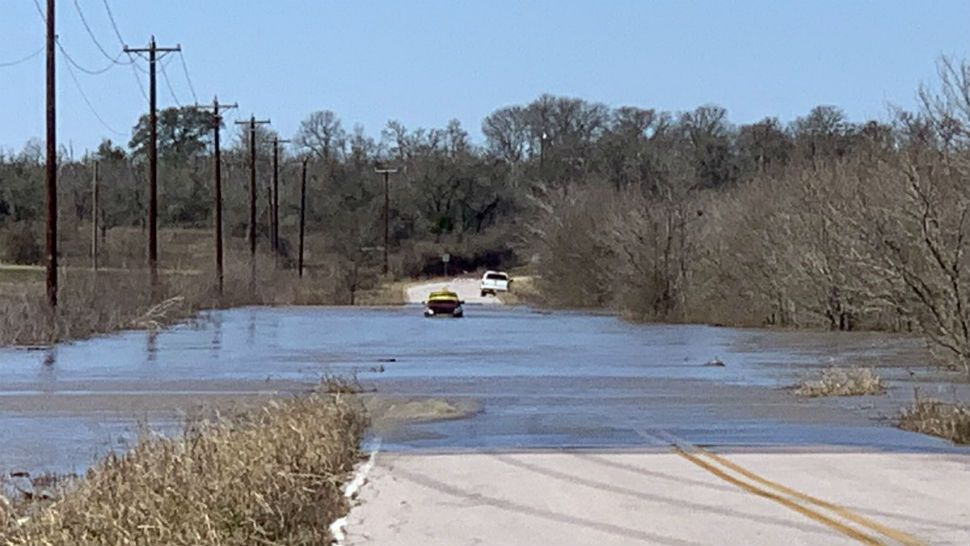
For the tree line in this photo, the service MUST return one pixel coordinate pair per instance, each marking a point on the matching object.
(676, 216)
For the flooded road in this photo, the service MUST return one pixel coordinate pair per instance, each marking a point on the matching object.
(537, 380)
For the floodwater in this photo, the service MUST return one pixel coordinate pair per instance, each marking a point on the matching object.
(538, 380)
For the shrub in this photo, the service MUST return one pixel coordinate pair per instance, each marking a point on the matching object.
(937, 418)
(271, 475)
(842, 382)
(20, 243)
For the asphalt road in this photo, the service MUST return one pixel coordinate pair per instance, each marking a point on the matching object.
(468, 290)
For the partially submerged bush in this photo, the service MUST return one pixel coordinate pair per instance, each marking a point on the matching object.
(937, 418)
(268, 476)
(856, 381)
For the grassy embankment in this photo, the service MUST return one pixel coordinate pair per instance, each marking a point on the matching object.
(522, 291)
(270, 475)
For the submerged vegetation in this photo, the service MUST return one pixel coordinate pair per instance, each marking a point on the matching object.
(938, 418)
(857, 381)
(270, 475)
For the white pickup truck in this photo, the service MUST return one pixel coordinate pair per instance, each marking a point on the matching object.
(494, 282)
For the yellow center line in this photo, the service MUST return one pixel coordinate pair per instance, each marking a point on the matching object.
(693, 453)
(899, 536)
(784, 501)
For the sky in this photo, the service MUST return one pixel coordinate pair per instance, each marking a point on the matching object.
(424, 63)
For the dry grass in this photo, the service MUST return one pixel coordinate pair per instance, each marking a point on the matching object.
(111, 300)
(392, 293)
(937, 418)
(857, 381)
(89, 305)
(118, 297)
(269, 476)
(522, 291)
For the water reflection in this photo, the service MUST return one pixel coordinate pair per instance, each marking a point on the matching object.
(216, 344)
(48, 370)
(151, 346)
(251, 332)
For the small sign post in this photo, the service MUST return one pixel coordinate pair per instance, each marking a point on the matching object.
(445, 258)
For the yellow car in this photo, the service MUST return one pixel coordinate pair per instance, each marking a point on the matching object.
(444, 303)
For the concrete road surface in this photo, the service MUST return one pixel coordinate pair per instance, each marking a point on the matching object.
(672, 492)
(667, 498)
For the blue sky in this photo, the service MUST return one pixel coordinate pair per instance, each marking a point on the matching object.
(425, 62)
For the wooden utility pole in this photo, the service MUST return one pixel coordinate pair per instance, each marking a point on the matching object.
(153, 50)
(252, 123)
(387, 212)
(217, 185)
(269, 211)
(51, 160)
(94, 215)
(275, 215)
(302, 213)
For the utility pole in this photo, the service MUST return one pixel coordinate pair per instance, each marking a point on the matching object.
(153, 50)
(275, 216)
(51, 160)
(94, 216)
(387, 211)
(217, 185)
(252, 123)
(269, 210)
(302, 213)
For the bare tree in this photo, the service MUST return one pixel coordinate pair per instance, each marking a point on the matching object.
(322, 134)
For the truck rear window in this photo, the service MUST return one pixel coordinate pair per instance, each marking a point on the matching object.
(496, 277)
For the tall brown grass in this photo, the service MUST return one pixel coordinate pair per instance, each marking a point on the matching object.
(117, 299)
(938, 418)
(857, 381)
(269, 476)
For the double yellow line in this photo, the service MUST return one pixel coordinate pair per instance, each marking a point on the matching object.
(807, 505)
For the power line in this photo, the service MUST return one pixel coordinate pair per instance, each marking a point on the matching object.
(40, 11)
(168, 83)
(94, 38)
(185, 69)
(141, 86)
(95, 72)
(92, 72)
(138, 66)
(114, 25)
(87, 101)
(23, 59)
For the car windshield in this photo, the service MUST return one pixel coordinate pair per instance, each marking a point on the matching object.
(497, 277)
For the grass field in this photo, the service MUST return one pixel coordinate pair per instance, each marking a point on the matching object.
(16, 274)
